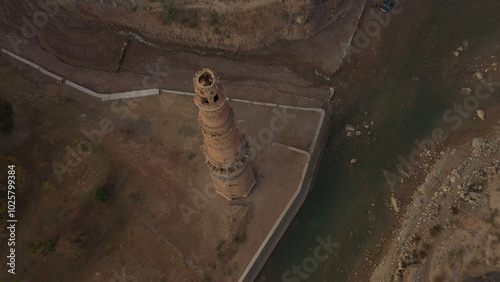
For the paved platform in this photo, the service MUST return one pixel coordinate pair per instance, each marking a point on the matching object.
(177, 199)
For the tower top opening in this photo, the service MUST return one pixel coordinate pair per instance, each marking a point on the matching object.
(206, 79)
(209, 93)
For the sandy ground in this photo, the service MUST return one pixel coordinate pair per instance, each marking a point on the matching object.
(234, 25)
(111, 247)
(162, 212)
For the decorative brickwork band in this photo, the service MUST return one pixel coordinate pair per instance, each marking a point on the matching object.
(226, 151)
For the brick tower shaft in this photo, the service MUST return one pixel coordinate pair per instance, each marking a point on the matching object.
(226, 152)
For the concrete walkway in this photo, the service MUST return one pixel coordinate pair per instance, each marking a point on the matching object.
(139, 93)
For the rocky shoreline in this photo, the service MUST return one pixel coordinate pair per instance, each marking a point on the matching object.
(451, 230)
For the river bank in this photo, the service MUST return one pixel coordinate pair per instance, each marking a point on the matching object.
(450, 230)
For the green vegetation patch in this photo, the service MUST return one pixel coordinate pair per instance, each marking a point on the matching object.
(169, 12)
(46, 246)
(101, 195)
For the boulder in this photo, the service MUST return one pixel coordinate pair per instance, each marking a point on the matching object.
(350, 127)
(394, 203)
(465, 44)
(478, 143)
(465, 91)
(332, 91)
(481, 114)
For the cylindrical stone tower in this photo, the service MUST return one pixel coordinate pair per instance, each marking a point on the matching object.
(226, 151)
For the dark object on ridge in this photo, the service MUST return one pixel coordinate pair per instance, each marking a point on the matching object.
(387, 6)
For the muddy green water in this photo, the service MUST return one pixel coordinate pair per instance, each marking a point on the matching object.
(407, 102)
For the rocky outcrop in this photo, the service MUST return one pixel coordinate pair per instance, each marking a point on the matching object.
(449, 229)
(234, 25)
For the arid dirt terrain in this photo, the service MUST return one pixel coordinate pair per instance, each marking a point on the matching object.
(222, 24)
(156, 183)
(296, 48)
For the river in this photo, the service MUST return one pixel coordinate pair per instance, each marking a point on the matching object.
(404, 88)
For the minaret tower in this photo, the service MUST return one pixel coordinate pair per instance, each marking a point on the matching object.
(226, 151)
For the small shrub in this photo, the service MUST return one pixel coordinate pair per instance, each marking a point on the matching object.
(214, 18)
(219, 246)
(454, 255)
(33, 247)
(48, 186)
(220, 253)
(491, 218)
(193, 13)
(191, 156)
(48, 246)
(231, 252)
(193, 24)
(101, 195)
(239, 238)
(70, 247)
(426, 246)
(439, 278)
(134, 9)
(434, 231)
(135, 197)
(494, 212)
(169, 12)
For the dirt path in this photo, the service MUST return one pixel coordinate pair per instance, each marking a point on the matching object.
(223, 6)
